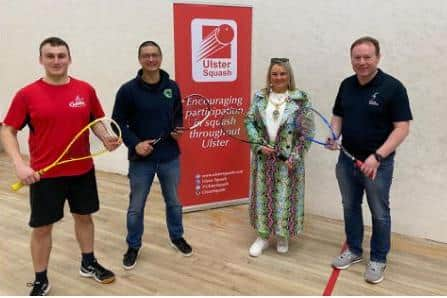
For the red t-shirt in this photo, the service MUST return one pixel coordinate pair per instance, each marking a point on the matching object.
(55, 114)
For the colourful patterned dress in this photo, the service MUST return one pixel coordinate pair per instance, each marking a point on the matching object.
(277, 193)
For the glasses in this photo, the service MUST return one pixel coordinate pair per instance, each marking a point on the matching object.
(149, 56)
(279, 60)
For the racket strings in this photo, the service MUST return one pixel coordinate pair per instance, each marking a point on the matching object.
(233, 125)
(320, 133)
(78, 148)
(102, 132)
(91, 141)
(315, 127)
(196, 109)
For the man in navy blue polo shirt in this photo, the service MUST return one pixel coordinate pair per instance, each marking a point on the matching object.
(372, 113)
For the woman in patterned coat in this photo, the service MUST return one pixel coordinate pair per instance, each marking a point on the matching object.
(279, 119)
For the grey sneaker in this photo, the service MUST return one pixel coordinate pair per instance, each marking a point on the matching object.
(346, 259)
(374, 272)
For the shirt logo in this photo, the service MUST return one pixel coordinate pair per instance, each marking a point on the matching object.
(372, 101)
(167, 93)
(214, 50)
(78, 102)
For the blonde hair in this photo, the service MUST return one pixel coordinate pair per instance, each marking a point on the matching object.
(284, 62)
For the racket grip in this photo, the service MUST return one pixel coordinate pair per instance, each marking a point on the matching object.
(282, 157)
(358, 164)
(16, 186)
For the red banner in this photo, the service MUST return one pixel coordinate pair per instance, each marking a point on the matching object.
(213, 58)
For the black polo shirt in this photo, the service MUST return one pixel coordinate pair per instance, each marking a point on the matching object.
(369, 110)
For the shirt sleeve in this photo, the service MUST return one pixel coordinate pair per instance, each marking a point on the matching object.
(337, 110)
(122, 114)
(254, 134)
(96, 108)
(18, 113)
(306, 131)
(400, 105)
(178, 108)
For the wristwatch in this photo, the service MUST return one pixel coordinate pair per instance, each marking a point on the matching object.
(378, 157)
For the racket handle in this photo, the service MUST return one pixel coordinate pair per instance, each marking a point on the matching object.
(16, 186)
(358, 164)
(282, 157)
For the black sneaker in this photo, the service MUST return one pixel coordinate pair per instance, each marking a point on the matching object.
(39, 288)
(96, 271)
(182, 246)
(130, 258)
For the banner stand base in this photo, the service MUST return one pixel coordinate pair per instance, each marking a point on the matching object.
(215, 205)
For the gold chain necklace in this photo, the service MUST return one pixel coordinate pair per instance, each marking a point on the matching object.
(277, 106)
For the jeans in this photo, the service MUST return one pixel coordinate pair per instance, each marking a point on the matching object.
(353, 184)
(141, 175)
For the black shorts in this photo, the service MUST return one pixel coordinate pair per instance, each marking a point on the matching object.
(47, 197)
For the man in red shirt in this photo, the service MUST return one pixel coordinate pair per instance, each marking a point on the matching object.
(55, 108)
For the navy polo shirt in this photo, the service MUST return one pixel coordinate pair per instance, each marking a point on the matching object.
(369, 110)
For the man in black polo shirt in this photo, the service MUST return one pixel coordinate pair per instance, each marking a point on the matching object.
(372, 113)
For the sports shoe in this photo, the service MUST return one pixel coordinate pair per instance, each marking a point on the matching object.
(374, 272)
(282, 245)
(182, 246)
(130, 258)
(346, 259)
(258, 246)
(98, 272)
(39, 288)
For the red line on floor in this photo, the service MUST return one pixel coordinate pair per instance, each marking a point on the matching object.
(333, 278)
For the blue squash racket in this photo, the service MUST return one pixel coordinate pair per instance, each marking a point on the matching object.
(323, 136)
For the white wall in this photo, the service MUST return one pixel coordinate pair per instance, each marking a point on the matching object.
(104, 36)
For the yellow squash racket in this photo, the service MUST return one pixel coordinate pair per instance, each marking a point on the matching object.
(95, 132)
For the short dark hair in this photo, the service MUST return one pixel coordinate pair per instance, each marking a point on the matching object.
(54, 42)
(367, 39)
(149, 43)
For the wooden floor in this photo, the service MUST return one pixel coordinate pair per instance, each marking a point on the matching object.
(220, 264)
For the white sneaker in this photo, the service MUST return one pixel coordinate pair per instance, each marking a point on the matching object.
(282, 245)
(258, 246)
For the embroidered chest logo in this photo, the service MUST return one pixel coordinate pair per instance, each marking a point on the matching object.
(372, 101)
(78, 102)
(167, 93)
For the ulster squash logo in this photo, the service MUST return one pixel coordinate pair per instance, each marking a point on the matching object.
(214, 50)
